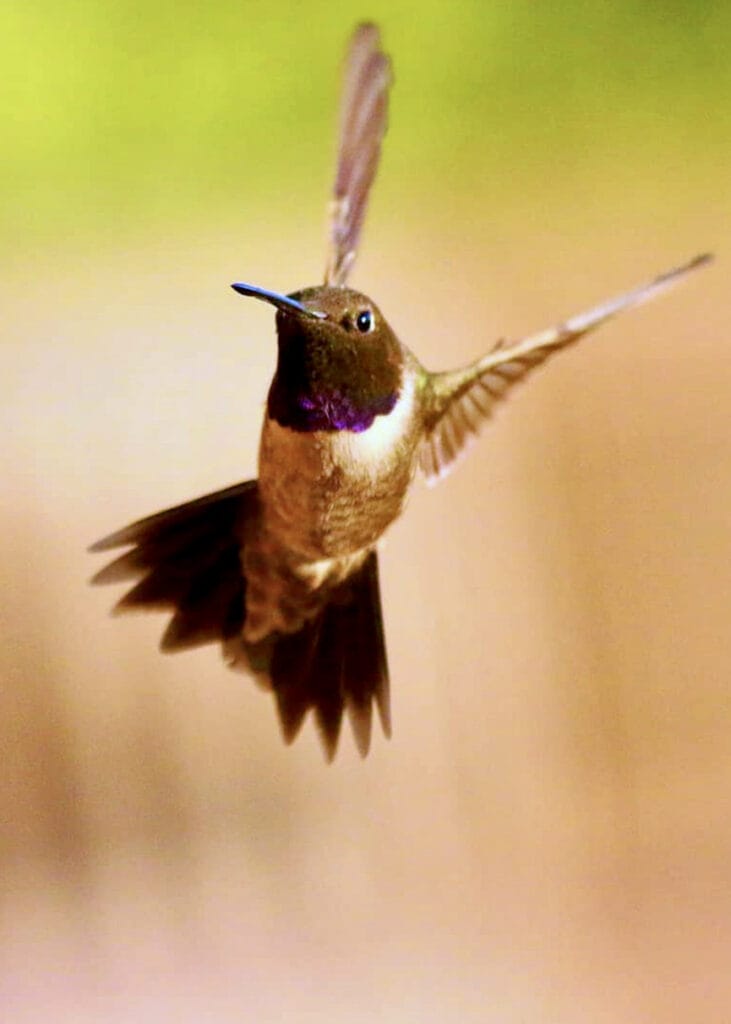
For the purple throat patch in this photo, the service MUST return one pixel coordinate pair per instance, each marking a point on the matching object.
(339, 412)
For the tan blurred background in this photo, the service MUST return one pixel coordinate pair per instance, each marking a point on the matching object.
(548, 836)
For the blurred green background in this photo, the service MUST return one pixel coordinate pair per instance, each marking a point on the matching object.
(122, 114)
(548, 836)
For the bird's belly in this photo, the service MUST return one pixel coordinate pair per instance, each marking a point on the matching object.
(327, 494)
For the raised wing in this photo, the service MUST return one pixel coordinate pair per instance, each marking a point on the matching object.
(461, 400)
(362, 126)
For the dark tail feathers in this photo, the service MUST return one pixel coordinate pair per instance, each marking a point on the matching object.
(188, 559)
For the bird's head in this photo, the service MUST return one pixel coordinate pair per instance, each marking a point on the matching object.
(340, 364)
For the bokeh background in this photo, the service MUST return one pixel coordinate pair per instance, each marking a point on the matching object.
(548, 836)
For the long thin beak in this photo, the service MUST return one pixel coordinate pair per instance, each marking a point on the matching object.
(280, 301)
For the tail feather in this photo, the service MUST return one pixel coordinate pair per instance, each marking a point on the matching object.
(337, 661)
(367, 669)
(212, 608)
(189, 559)
(174, 524)
(290, 672)
(327, 681)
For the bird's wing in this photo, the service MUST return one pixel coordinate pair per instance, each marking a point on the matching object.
(459, 401)
(363, 120)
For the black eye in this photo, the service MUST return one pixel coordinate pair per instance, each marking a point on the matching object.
(364, 321)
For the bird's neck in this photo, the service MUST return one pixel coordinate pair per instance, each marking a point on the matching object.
(335, 387)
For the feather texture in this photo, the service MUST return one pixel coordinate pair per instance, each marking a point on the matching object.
(336, 662)
(189, 560)
(460, 401)
(363, 122)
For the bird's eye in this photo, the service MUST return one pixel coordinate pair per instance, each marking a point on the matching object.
(364, 321)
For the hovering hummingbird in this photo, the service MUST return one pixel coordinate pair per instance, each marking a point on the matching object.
(283, 570)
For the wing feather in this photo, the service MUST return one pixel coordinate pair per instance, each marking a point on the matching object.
(461, 400)
(363, 120)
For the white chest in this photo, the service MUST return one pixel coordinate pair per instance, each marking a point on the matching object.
(369, 453)
(328, 493)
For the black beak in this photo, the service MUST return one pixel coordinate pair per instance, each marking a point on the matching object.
(280, 301)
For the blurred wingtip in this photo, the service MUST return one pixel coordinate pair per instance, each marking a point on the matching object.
(367, 27)
(670, 277)
(702, 260)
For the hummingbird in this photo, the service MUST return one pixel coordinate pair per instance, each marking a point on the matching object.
(282, 570)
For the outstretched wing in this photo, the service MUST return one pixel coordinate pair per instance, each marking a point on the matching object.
(461, 400)
(362, 126)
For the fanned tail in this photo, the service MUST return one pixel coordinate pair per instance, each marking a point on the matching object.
(336, 662)
(189, 559)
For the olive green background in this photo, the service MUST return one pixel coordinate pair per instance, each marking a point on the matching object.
(548, 835)
(118, 115)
